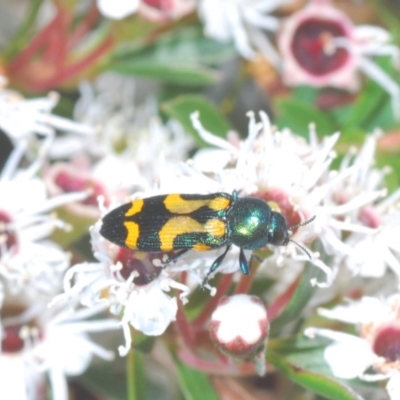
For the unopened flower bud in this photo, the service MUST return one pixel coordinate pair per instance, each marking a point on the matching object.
(239, 326)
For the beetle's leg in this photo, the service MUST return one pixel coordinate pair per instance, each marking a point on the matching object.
(244, 265)
(215, 265)
(256, 257)
(175, 256)
(250, 262)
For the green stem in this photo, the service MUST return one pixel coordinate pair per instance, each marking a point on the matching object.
(25, 30)
(130, 360)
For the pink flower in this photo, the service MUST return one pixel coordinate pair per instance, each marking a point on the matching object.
(309, 51)
(320, 46)
(373, 354)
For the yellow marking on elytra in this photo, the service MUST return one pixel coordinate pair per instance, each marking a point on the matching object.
(185, 224)
(177, 205)
(215, 227)
(177, 226)
(219, 203)
(136, 207)
(201, 247)
(133, 234)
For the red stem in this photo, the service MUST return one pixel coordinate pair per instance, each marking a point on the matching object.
(37, 42)
(84, 27)
(245, 282)
(223, 287)
(71, 70)
(56, 49)
(275, 308)
(185, 329)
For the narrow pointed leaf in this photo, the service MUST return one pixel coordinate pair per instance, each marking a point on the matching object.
(211, 118)
(195, 385)
(313, 381)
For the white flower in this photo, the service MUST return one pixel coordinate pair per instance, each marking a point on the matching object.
(26, 255)
(130, 134)
(136, 288)
(349, 356)
(21, 118)
(373, 246)
(242, 22)
(372, 254)
(55, 342)
(286, 171)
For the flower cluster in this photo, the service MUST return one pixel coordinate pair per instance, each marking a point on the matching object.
(143, 203)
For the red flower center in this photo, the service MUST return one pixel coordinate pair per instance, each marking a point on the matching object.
(312, 48)
(12, 341)
(282, 201)
(370, 217)
(143, 266)
(8, 238)
(69, 182)
(387, 343)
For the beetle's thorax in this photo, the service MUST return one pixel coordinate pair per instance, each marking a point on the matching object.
(248, 220)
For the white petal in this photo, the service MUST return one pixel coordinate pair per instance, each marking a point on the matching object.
(393, 387)
(349, 356)
(152, 311)
(363, 311)
(117, 9)
(211, 160)
(13, 371)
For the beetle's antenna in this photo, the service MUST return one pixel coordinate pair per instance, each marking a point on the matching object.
(301, 247)
(298, 244)
(301, 224)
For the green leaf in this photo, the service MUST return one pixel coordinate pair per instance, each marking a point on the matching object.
(392, 180)
(303, 352)
(186, 45)
(313, 381)
(373, 107)
(195, 385)
(108, 382)
(306, 94)
(383, 118)
(179, 74)
(288, 345)
(298, 115)
(182, 57)
(182, 107)
(79, 227)
(136, 378)
(366, 105)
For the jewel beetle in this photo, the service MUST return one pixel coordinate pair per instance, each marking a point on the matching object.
(199, 222)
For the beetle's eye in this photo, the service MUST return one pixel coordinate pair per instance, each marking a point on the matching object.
(277, 237)
(278, 233)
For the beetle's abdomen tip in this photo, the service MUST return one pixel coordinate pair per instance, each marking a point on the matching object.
(113, 228)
